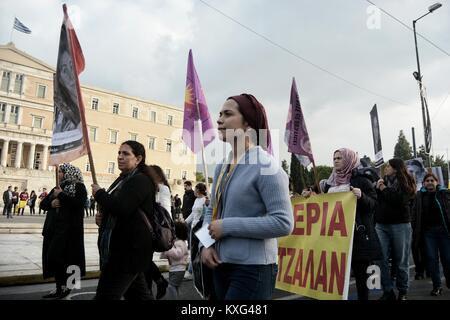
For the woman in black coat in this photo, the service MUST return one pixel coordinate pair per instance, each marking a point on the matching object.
(125, 241)
(395, 195)
(63, 229)
(366, 246)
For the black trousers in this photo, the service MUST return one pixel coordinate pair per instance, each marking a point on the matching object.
(419, 257)
(361, 276)
(114, 284)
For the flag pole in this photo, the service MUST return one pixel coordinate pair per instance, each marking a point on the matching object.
(88, 145)
(203, 145)
(12, 29)
(316, 178)
(57, 175)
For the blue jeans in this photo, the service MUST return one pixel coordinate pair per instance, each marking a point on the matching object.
(437, 244)
(395, 241)
(244, 282)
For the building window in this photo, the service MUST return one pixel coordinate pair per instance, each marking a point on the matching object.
(184, 175)
(14, 115)
(111, 166)
(133, 136)
(18, 84)
(170, 120)
(184, 149)
(6, 78)
(135, 112)
(116, 108)
(88, 166)
(151, 143)
(168, 145)
(41, 91)
(92, 134)
(113, 136)
(167, 173)
(37, 160)
(153, 116)
(2, 112)
(94, 104)
(37, 122)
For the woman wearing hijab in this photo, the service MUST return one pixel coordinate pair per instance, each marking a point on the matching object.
(125, 241)
(393, 224)
(246, 215)
(366, 248)
(63, 229)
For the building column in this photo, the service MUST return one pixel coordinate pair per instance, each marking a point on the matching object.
(4, 152)
(31, 155)
(44, 165)
(18, 154)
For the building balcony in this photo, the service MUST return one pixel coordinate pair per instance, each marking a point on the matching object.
(25, 129)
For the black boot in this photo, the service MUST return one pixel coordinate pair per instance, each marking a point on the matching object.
(388, 295)
(437, 291)
(402, 296)
(54, 294)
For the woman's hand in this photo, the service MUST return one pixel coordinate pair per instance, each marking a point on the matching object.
(215, 229)
(98, 218)
(380, 184)
(210, 257)
(95, 188)
(356, 191)
(57, 191)
(55, 203)
(307, 193)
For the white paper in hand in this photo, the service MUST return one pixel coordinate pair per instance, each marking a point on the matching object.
(204, 237)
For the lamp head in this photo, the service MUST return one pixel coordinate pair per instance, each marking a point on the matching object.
(416, 76)
(434, 7)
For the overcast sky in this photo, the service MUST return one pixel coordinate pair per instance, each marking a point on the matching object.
(141, 48)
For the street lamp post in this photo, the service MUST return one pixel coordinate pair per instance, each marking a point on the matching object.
(418, 74)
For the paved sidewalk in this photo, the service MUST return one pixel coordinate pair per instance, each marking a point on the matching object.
(21, 250)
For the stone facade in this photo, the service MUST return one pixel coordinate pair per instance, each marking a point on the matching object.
(26, 121)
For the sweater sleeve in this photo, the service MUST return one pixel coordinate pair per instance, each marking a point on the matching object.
(177, 252)
(278, 219)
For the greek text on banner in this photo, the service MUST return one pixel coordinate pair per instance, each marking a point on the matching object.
(314, 260)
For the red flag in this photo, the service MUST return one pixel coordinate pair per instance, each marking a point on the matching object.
(70, 139)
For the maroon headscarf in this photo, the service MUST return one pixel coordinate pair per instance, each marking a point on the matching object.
(255, 115)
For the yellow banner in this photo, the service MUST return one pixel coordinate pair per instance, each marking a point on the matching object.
(314, 261)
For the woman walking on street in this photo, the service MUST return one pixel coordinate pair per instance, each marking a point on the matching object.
(246, 216)
(393, 224)
(431, 224)
(63, 229)
(366, 247)
(125, 241)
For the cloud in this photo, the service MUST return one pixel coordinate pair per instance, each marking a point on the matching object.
(140, 48)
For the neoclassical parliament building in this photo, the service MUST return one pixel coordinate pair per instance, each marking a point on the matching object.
(26, 120)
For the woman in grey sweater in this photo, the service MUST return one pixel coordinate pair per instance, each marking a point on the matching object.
(250, 206)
